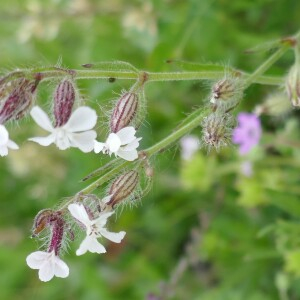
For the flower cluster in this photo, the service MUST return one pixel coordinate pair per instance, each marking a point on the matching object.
(89, 214)
(71, 127)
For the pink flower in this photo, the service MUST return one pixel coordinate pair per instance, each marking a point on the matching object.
(248, 132)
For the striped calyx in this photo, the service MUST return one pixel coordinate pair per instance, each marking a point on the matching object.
(16, 98)
(64, 97)
(123, 187)
(124, 111)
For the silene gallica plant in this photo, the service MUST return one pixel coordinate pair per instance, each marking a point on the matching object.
(129, 174)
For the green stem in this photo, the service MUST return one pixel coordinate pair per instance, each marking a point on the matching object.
(53, 72)
(199, 114)
(265, 66)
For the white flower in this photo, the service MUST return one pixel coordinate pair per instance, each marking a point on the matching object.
(75, 133)
(189, 145)
(123, 144)
(48, 264)
(94, 229)
(5, 142)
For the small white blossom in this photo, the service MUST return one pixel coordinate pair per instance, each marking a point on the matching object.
(94, 229)
(48, 264)
(123, 144)
(75, 133)
(5, 142)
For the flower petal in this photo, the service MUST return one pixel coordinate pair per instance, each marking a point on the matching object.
(102, 219)
(132, 145)
(3, 135)
(36, 259)
(78, 212)
(98, 146)
(128, 155)
(126, 135)
(12, 145)
(61, 269)
(41, 118)
(3, 150)
(113, 142)
(113, 236)
(83, 140)
(46, 272)
(44, 141)
(82, 119)
(91, 244)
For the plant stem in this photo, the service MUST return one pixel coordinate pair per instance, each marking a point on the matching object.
(266, 65)
(53, 72)
(189, 123)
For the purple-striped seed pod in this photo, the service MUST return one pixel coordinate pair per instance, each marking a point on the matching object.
(17, 97)
(64, 98)
(124, 111)
(123, 187)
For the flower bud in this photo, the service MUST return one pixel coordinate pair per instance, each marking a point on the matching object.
(292, 85)
(226, 92)
(217, 130)
(124, 111)
(58, 229)
(17, 97)
(45, 218)
(123, 187)
(64, 97)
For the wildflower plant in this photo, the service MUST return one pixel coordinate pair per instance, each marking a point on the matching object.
(128, 176)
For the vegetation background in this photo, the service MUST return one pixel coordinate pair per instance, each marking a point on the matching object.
(205, 231)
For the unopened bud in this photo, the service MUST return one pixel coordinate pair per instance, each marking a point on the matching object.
(226, 92)
(16, 98)
(217, 130)
(124, 111)
(275, 105)
(292, 85)
(64, 97)
(58, 230)
(123, 187)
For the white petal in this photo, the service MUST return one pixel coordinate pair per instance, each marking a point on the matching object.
(41, 118)
(91, 244)
(78, 212)
(3, 150)
(12, 145)
(60, 268)
(44, 141)
(126, 135)
(131, 146)
(113, 236)
(83, 140)
(102, 219)
(62, 140)
(3, 135)
(128, 155)
(46, 272)
(36, 259)
(113, 142)
(82, 119)
(98, 146)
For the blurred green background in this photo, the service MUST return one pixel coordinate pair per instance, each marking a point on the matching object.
(205, 231)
